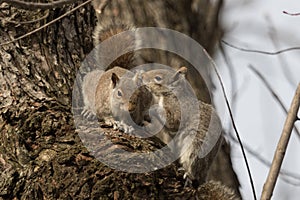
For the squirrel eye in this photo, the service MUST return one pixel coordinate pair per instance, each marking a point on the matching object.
(119, 93)
(158, 78)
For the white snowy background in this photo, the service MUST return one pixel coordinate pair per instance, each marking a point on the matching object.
(261, 25)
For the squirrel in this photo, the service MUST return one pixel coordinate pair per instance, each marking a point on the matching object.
(156, 80)
(199, 136)
(114, 97)
(106, 93)
(120, 101)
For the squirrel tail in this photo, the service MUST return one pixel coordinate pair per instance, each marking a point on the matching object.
(214, 190)
(115, 43)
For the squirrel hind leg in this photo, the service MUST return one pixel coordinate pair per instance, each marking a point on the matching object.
(193, 183)
(188, 181)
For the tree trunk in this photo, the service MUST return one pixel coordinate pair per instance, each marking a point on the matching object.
(41, 155)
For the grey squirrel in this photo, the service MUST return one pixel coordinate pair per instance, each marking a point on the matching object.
(114, 97)
(106, 93)
(127, 99)
(199, 131)
(106, 90)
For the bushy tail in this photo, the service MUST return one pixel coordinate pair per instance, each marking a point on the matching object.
(115, 42)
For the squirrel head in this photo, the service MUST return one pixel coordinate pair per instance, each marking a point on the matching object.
(164, 76)
(123, 88)
(128, 96)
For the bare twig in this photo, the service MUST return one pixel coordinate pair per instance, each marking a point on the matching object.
(284, 173)
(49, 23)
(36, 5)
(291, 14)
(290, 182)
(281, 147)
(231, 72)
(274, 38)
(258, 51)
(233, 124)
(276, 96)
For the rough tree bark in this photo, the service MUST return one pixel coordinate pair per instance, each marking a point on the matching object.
(41, 155)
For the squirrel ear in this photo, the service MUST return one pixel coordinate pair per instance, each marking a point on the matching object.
(138, 77)
(181, 72)
(115, 79)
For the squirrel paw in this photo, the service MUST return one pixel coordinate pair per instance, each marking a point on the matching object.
(128, 129)
(116, 125)
(88, 114)
(123, 127)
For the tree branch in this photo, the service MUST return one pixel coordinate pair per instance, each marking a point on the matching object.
(45, 25)
(35, 5)
(281, 147)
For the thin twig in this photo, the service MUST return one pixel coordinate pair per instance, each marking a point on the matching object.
(264, 161)
(290, 182)
(276, 96)
(258, 51)
(36, 5)
(274, 38)
(232, 74)
(233, 124)
(233, 79)
(291, 14)
(45, 25)
(281, 147)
